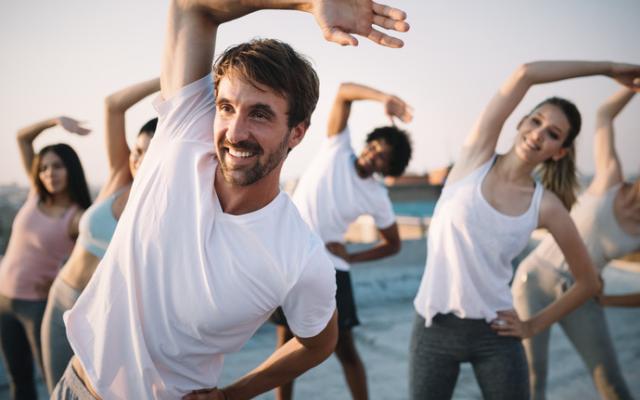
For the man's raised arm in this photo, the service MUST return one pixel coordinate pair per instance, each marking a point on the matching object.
(192, 26)
(350, 92)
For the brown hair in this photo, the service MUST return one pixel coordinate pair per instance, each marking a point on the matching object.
(560, 176)
(76, 183)
(278, 66)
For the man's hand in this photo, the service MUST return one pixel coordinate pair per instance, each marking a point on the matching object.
(396, 107)
(339, 20)
(205, 394)
(338, 250)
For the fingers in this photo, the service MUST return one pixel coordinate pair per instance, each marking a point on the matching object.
(408, 113)
(508, 324)
(505, 328)
(384, 39)
(84, 132)
(389, 12)
(388, 23)
(336, 35)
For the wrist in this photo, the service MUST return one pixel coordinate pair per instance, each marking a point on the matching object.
(300, 5)
(608, 68)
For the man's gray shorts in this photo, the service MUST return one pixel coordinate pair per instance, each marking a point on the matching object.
(70, 387)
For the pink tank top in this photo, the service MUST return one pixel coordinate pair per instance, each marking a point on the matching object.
(38, 246)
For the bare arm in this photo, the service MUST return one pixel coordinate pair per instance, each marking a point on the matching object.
(286, 363)
(622, 300)
(557, 220)
(389, 245)
(116, 104)
(350, 92)
(192, 27)
(28, 134)
(608, 168)
(481, 142)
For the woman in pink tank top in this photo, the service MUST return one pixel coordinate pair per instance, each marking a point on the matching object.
(43, 234)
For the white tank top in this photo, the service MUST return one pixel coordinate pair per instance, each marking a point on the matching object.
(470, 247)
(598, 228)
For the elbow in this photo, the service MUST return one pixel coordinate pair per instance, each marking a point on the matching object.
(111, 104)
(344, 91)
(592, 285)
(345, 86)
(603, 116)
(395, 247)
(525, 72)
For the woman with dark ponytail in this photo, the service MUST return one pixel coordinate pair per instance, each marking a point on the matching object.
(607, 215)
(42, 237)
(97, 224)
(488, 208)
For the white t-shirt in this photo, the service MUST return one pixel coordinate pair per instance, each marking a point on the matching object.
(183, 283)
(331, 195)
(470, 247)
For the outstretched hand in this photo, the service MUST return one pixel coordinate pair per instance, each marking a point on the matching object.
(340, 20)
(627, 75)
(509, 324)
(396, 107)
(73, 126)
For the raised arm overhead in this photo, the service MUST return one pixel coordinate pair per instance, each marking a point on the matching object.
(192, 27)
(481, 142)
(350, 92)
(608, 168)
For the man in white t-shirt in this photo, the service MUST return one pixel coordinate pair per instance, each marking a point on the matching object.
(208, 246)
(334, 191)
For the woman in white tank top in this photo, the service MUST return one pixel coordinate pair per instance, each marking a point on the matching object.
(608, 219)
(488, 208)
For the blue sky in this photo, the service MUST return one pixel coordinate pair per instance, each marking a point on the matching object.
(64, 57)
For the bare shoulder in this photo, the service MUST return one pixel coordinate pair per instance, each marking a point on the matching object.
(552, 210)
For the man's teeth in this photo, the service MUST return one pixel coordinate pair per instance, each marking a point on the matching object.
(241, 154)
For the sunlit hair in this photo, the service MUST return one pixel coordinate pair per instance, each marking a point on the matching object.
(560, 176)
(277, 65)
(400, 145)
(76, 183)
(149, 128)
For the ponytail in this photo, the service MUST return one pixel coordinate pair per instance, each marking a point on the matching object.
(560, 176)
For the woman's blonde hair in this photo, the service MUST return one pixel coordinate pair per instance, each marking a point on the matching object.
(560, 176)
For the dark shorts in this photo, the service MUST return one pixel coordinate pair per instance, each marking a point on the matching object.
(345, 303)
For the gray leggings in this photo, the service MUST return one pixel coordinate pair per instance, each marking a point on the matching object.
(535, 286)
(56, 351)
(20, 343)
(436, 353)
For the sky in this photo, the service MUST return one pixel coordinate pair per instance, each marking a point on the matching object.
(64, 57)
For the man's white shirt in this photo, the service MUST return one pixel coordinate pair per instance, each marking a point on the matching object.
(183, 283)
(331, 194)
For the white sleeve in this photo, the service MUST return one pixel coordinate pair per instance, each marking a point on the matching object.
(382, 210)
(341, 141)
(188, 114)
(311, 302)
